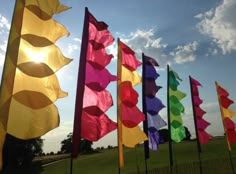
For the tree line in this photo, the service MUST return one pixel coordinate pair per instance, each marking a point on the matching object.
(19, 154)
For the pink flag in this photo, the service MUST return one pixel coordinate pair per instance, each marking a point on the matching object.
(98, 79)
(92, 99)
(200, 123)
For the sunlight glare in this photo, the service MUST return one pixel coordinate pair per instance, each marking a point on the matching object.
(36, 56)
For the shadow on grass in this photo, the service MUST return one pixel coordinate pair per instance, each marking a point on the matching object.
(34, 168)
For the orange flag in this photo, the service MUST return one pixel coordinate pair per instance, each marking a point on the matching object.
(129, 132)
(226, 113)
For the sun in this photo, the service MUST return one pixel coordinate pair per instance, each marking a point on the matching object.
(36, 56)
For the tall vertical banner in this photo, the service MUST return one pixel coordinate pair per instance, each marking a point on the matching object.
(151, 104)
(92, 98)
(226, 114)
(200, 123)
(29, 84)
(128, 114)
(175, 107)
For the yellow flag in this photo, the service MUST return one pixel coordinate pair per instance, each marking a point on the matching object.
(31, 19)
(131, 76)
(180, 95)
(50, 7)
(29, 84)
(228, 112)
(136, 133)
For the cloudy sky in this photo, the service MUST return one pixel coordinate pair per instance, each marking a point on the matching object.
(195, 37)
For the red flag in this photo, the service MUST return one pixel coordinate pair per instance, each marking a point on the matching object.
(128, 95)
(95, 127)
(128, 57)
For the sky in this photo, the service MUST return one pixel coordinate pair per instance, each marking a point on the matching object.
(194, 37)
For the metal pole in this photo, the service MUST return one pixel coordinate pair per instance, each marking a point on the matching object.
(145, 124)
(119, 127)
(80, 90)
(169, 126)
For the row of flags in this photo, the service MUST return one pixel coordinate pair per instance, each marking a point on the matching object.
(30, 87)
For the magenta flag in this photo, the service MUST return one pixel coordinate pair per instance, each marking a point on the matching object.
(92, 99)
(200, 123)
(98, 79)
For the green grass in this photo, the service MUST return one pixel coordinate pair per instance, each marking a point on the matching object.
(214, 158)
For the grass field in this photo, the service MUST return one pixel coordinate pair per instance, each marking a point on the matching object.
(214, 159)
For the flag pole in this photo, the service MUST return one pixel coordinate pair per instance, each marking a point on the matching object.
(119, 127)
(80, 91)
(145, 124)
(231, 161)
(226, 136)
(169, 126)
(195, 124)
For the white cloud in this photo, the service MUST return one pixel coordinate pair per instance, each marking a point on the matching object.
(53, 138)
(72, 48)
(4, 23)
(140, 41)
(220, 25)
(112, 49)
(4, 30)
(3, 45)
(212, 51)
(77, 40)
(147, 42)
(185, 53)
(69, 46)
(146, 39)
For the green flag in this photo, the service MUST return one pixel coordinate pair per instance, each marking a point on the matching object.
(176, 108)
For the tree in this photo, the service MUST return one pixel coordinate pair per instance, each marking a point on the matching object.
(85, 145)
(187, 133)
(19, 153)
(66, 144)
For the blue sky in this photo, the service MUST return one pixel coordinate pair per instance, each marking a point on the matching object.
(195, 37)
